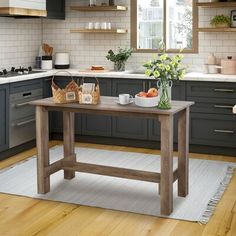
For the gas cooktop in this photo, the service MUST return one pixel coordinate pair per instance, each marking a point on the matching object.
(17, 72)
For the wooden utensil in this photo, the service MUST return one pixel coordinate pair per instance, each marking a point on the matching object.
(47, 49)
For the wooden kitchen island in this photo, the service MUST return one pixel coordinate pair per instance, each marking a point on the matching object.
(108, 106)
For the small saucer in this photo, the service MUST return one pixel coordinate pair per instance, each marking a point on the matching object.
(117, 101)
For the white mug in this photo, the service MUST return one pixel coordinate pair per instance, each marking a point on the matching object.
(90, 25)
(125, 99)
(104, 25)
(109, 25)
(97, 25)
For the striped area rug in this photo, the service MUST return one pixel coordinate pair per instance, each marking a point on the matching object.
(208, 181)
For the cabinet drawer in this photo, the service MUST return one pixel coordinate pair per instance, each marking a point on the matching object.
(21, 109)
(212, 105)
(211, 89)
(213, 130)
(22, 131)
(26, 85)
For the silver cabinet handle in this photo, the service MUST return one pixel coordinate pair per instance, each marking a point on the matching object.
(21, 104)
(223, 106)
(224, 90)
(24, 122)
(224, 131)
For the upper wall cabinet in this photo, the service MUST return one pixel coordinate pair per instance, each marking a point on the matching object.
(56, 9)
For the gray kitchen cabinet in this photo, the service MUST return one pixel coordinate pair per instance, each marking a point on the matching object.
(211, 89)
(4, 114)
(124, 127)
(212, 122)
(213, 130)
(55, 9)
(177, 93)
(97, 125)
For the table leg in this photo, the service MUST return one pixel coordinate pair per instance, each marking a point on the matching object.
(69, 142)
(166, 190)
(183, 152)
(42, 136)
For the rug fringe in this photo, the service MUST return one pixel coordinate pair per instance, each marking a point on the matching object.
(211, 206)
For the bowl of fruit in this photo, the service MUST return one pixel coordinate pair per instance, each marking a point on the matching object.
(149, 99)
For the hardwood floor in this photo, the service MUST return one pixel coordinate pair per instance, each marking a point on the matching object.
(26, 216)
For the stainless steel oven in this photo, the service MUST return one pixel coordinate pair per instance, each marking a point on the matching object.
(22, 117)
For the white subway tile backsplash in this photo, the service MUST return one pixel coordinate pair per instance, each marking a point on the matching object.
(19, 41)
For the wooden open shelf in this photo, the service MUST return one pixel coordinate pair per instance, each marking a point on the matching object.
(216, 4)
(109, 31)
(217, 29)
(99, 8)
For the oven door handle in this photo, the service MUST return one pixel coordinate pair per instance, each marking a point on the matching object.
(24, 123)
(21, 104)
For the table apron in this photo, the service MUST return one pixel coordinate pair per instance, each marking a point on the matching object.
(109, 113)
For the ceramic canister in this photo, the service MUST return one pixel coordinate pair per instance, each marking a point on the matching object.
(228, 66)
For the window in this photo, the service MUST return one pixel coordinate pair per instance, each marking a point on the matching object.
(164, 24)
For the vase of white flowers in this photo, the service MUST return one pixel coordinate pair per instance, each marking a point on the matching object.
(165, 70)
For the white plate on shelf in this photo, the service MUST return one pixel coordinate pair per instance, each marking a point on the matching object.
(118, 102)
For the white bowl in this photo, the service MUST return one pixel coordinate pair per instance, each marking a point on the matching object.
(146, 101)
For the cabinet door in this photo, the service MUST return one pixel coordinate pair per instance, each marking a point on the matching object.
(123, 127)
(56, 9)
(213, 130)
(4, 120)
(97, 125)
(177, 93)
(47, 91)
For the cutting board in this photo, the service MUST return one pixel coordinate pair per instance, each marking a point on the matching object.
(93, 71)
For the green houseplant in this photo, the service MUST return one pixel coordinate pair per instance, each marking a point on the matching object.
(220, 21)
(165, 70)
(119, 58)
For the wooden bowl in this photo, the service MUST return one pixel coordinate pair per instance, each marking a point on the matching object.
(146, 101)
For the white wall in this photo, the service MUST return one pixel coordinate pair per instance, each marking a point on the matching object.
(88, 49)
(19, 41)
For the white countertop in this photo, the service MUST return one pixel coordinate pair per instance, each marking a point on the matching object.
(196, 76)
(193, 76)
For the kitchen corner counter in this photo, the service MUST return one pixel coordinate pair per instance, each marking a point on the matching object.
(192, 76)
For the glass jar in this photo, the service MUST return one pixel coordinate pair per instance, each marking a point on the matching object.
(165, 93)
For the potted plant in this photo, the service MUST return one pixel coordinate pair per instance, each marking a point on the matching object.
(220, 21)
(119, 58)
(165, 70)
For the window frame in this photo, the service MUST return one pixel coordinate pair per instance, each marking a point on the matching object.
(134, 28)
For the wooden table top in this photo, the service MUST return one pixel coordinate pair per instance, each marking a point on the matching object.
(109, 106)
